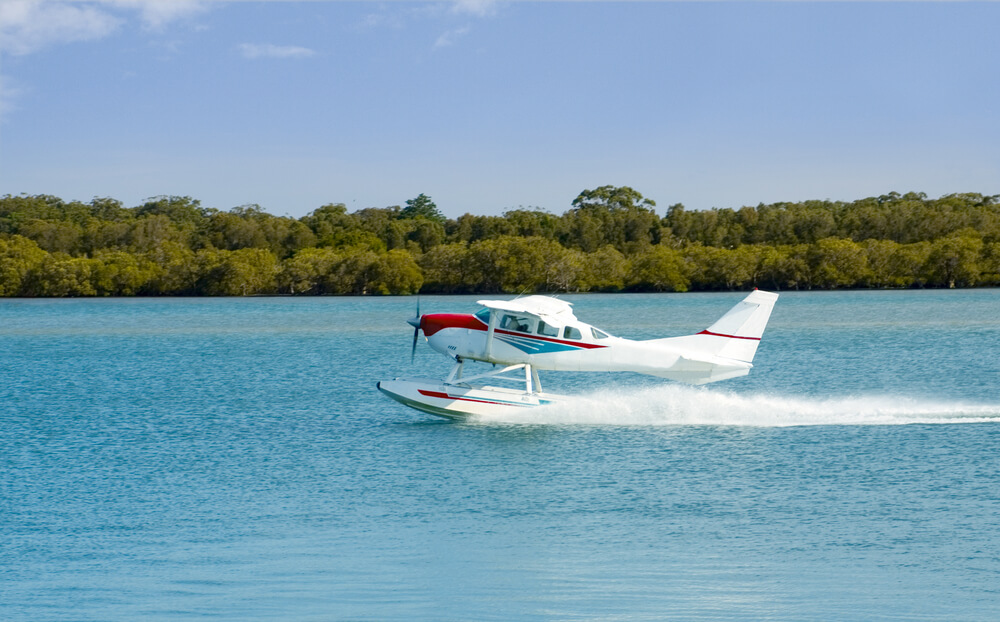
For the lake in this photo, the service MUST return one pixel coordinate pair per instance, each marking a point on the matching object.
(231, 459)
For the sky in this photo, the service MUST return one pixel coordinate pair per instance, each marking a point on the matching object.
(488, 105)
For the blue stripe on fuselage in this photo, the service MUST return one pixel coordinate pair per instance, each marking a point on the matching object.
(535, 346)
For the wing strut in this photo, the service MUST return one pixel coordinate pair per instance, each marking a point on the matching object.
(489, 333)
(531, 382)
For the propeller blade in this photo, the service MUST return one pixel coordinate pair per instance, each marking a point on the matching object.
(415, 323)
(413, 350)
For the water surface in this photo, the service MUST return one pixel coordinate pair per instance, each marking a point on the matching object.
(230, 459)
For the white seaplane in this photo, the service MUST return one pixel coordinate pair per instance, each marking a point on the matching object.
(521, 336)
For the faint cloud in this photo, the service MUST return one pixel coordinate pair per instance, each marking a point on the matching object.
(449, 37)
(156, 14)
(382, 19)
(389, 15)
(267, 50)
(479, 8)
(27, 26)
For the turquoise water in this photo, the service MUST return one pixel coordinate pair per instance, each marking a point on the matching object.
(230, 459)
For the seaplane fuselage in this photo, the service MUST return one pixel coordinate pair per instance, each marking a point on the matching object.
(519, 332)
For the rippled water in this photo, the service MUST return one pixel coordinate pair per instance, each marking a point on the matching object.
(231, 459)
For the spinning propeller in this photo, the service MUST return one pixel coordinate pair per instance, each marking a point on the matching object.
(415, 323)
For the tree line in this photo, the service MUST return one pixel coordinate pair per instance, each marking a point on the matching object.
(610, 240)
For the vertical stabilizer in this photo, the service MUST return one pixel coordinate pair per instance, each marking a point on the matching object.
(743, 326)
(736, 334)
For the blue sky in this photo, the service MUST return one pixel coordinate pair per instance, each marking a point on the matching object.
(488, 106)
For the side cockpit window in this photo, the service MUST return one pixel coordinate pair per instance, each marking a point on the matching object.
(484, 316)
(548, 331)
(572, 333)
(519, 324)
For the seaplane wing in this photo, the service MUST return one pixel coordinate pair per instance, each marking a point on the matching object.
(542, 333)
(539, 306)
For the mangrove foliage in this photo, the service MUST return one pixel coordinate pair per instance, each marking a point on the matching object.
(610, 239)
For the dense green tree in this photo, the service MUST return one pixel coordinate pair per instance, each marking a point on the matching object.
(469, 228)
(508, 264)
(604, 270)
(566, 268)
(54, 236)
(660, 269)
(619, 216)
(396, 273)
(386, 224)
(111, 210)
(248, 226)
(353, 273)
(613, 198)
(59, 275)
(954, 260)
(178, 210)
(422, 206)
(236, 229)
(15, 210)
(531, 223)
(150, 232)
(908, 264)
(333, 227)
(177, 269)
(306, 272)
(242, 272)
(516, 265)
(721, 268)
(426, 234)
(19, 257)
(990, 264)
(106, 234)
(329, 223)
(837, 263)
(119, 273)
(787, 268)
(447, 270)
(879, 255)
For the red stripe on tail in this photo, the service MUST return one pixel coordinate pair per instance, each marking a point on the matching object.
(706, 332)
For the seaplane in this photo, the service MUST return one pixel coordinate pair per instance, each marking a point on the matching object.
(521, 336)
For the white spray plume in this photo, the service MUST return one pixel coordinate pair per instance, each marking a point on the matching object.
(682, 405)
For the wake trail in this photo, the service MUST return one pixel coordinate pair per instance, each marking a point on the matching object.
(684, 405)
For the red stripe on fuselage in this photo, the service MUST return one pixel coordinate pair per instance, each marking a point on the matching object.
(434, 322)
(705, 332)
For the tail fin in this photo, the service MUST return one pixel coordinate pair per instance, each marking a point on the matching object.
(737, 333)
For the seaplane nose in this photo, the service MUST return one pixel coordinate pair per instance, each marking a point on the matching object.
(432, 323)
(414, 322)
